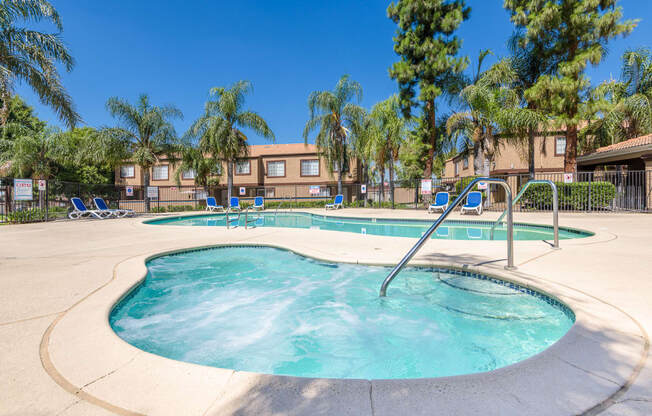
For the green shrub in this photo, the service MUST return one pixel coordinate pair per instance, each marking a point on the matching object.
(28, 215)
(572, 196)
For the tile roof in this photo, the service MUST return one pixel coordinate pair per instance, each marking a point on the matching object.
(635, 142)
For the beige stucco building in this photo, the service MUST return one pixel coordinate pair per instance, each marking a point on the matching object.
(269, 170)
(510, 158)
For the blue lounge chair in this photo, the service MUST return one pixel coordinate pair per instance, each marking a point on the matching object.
(102, 206)
(473, 203)
(80, 210)
(234, 205)
(441, 202)
(211, 205)
(337, 203)
(259, 203)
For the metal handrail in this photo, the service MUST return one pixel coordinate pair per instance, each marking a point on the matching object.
(555, 208)
(247, 216)
(510, 230)
(280, 205)
(228, 221)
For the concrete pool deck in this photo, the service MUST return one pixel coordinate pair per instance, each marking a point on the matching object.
(58, 354)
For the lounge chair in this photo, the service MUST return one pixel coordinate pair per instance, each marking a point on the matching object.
(80, 210)
(211, 205)
(337, 203)
(234, 205)
(102, 206)
(259, 203)
(441, 202)
(473, 203)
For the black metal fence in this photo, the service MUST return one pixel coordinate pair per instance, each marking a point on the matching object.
(26, 200)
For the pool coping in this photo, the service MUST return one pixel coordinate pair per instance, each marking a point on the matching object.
(574, 230)
(591, 383)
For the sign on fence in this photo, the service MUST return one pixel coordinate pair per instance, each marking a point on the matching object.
(482, 186)
(363, 189)
(314, 190)
(243, 191)
(22, 189)
(568, 178)
(129, 190)
(152, 192)
(426, 186)
(42, 185)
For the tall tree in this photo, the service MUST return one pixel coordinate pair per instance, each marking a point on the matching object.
(429, 67)
(29, 56)
(219, 129)
(621, 109)
(392, 131)
(145, 133)
(578, 32)
(335, 116)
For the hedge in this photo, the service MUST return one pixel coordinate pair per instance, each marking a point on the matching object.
(572, 196)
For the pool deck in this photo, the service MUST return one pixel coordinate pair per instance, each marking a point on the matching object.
(58, 355)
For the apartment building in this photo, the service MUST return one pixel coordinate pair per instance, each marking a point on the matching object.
(509, 158)
(270, 170)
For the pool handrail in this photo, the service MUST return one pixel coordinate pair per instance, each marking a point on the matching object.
(228, 220)
(289, 201)
(555, 209)
(246, 211)
(510, 230)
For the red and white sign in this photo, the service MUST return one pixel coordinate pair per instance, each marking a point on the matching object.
(173, 188)
(42, 185)
(242, 190)
(129, 191)
(426, 186)
(568, 178)
(22, 189)
(363, 189)
(314, 190)
(482, 186)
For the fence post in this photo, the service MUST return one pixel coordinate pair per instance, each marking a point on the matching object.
(47, 201)
(590, 179)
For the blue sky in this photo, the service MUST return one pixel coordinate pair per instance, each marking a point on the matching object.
(176, 50)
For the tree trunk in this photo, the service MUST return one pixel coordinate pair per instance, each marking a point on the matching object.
(381, 198)
(530, 152)
(229, 181)
(146, 185)
(432, 132)
(339, 176)
(570, 156)
(391, 181)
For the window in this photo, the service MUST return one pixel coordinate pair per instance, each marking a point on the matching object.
(127, 171)
(466, 162)
(243, 167)
(310, 167)
(269, 192)
(189, 174)
(457, 168)
(217, 170)
(276, 169)
(324, 191)
(160, 173)
(560, 146)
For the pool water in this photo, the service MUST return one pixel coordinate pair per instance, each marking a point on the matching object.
(271, 311)
(450, 229)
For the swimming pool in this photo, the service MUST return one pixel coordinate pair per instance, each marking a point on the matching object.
(268, 310)
(450, 229)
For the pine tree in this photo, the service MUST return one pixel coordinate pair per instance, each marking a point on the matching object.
(426, 42)
(577, 32)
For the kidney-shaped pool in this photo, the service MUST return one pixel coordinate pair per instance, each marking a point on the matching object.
(268, 310)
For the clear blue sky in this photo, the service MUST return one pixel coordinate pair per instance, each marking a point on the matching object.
(176, 50)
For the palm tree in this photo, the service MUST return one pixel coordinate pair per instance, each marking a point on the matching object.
(37, 153)
(31, 56)
(219, 128)
(625, 106)
(484, 99)
(333, 113)
(144, 135)
(193, 159)
(391, 131)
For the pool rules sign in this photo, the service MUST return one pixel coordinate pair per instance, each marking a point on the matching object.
(23, 190)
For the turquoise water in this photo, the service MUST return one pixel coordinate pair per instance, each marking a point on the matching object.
(451, 230)
(271, 311)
